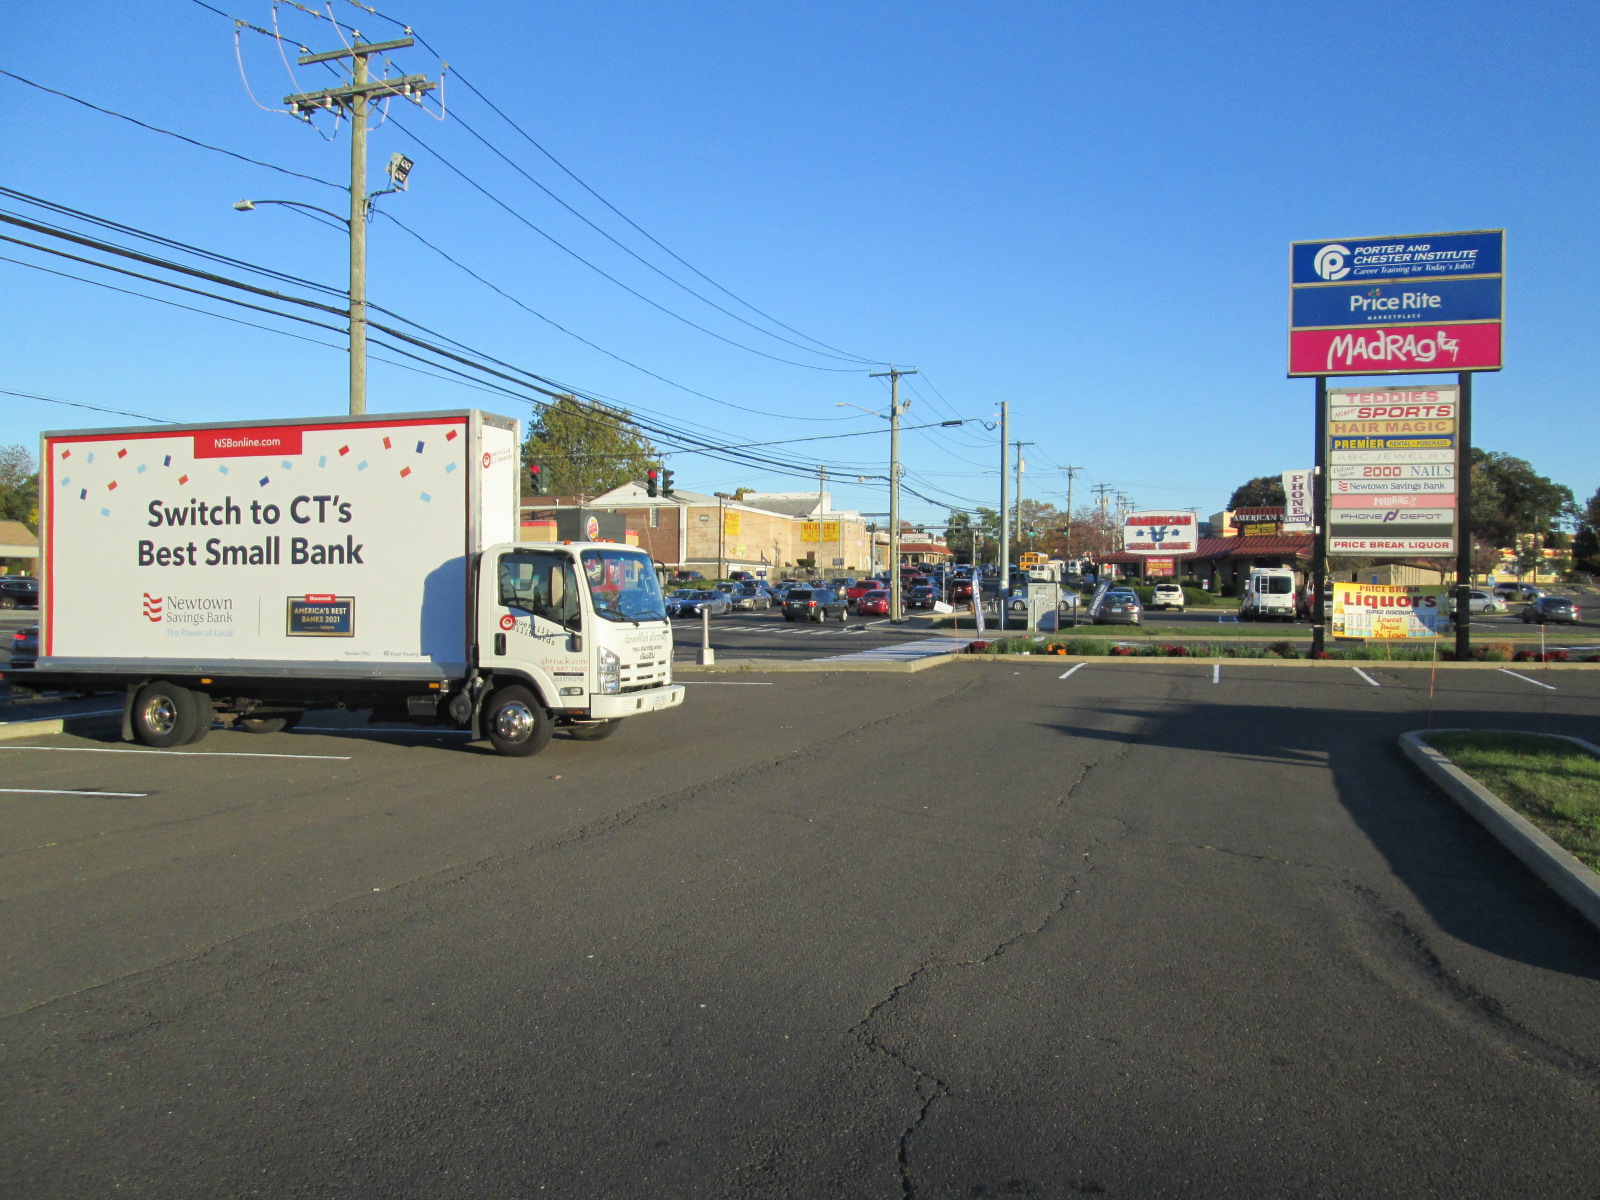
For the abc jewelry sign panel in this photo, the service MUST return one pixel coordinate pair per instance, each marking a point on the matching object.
(1392, 471)
(1397, 305)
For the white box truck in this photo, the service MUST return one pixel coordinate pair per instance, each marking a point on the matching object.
(258, 571)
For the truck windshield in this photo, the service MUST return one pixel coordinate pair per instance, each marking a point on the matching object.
(623, 584)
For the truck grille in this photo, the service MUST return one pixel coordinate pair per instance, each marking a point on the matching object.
(640, 678)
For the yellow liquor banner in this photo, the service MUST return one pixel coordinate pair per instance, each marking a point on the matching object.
(1388, 611)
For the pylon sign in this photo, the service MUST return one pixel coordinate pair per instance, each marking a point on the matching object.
(1392, 484)
(1163, 532)
(1408, 304)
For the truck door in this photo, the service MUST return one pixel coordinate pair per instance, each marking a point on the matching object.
(531, 619)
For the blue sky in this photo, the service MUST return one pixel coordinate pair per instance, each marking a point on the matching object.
(1082, 210)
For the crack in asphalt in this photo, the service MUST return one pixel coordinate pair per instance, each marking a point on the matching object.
(1414, 951)
(929, 1087)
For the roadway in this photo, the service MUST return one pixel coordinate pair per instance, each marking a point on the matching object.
(992, 929)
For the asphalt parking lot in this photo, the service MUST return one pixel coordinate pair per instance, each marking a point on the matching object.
(990, 929)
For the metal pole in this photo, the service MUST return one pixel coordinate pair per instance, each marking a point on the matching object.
(1003, 566)
(359, 107)
(1464, 521)
(707, 656)
(822, 482)
(895, 611)
(1319, 519)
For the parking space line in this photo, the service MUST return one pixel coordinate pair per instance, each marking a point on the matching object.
(1367, 677)
(720, 683)
(174, 753)
(64, 792)
(1216, 672)
(419, 731)
(1525, 679)
(1070, 670)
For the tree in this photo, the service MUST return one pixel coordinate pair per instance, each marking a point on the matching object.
(587, 448)
(19, 487)
(1586, 542)
(1264, 491)
(1515, 507)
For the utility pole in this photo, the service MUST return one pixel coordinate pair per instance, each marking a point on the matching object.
(1072, 473)
(1021, 467)
(896, 610)
(822, 483)
(356, 98)
(1003, 563)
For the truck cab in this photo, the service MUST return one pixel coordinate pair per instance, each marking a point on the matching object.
(569, 634)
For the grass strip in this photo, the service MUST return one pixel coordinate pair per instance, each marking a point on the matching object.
(1553, 783)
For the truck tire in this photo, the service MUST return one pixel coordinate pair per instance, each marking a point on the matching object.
(275, 724)
(205, 712)
(515, 723)
(164, 715)
(597, 732)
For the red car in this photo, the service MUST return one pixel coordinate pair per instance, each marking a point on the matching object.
(961, 591)
(859, 589)
(873, 602)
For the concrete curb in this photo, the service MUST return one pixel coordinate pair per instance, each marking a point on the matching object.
(1570, 879)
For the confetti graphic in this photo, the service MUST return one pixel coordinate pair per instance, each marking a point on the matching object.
(404, 471)
(265, 479)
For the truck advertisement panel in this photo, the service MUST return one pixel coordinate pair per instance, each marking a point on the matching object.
(340, 540)
(1162, 532)
(1388, 611)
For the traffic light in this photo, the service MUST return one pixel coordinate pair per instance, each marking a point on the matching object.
(536, 478)
(652, 477)
(666, 483)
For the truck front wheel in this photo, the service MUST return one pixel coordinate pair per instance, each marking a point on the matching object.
(515, 723)
(165, 715)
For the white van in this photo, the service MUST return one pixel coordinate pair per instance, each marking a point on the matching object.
(1268, 594)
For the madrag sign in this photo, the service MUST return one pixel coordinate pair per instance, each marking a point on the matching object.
(1405, 304)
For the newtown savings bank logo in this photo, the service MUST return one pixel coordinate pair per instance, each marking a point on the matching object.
(1332, 262)
(211, 615)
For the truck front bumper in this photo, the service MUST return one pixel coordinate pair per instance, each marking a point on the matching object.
(632, 704)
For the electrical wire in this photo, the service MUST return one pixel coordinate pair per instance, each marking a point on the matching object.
(116, 412)
(245, 158)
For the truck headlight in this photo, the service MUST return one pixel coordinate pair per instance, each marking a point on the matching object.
(610, 672)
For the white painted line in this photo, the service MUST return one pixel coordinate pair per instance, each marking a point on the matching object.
(60, 792)
(1070, 670)
(172, 753)
(1525, 679)
(362, 729)
(1367, 677)
(104, 712)
(720, 683)
(1216, 672)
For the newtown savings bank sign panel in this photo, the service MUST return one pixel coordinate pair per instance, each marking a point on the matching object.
(1397, 305)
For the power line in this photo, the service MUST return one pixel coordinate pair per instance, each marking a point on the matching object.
(116, 412)
(255, 162)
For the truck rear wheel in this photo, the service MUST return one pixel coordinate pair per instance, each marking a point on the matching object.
(205, 712)
(515, 723)
(165, 715)
(597, 731)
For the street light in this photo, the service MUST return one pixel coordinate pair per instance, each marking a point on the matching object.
(399, 171)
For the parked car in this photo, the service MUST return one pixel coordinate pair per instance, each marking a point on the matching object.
(24, 648)
(873, 603)
(751, 596)
(1551, 608)
(1119, 606)
(18, 591)
(961, 590)
(686, 576)
(860, 588)
(1517, 591)
(924, 595)
(814, 604)
(839, 585)
(688, 602)
(1167, 595)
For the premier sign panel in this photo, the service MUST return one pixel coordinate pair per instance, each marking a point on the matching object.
(1391, 471)
(1397, 305)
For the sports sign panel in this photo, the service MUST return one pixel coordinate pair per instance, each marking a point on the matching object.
(1160, 532)
(1392, 471)
(1407, 304)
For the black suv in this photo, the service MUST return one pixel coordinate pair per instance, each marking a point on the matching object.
(18, 591)
(814, 604)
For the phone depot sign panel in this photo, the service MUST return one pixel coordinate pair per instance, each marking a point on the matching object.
(1405, 304)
